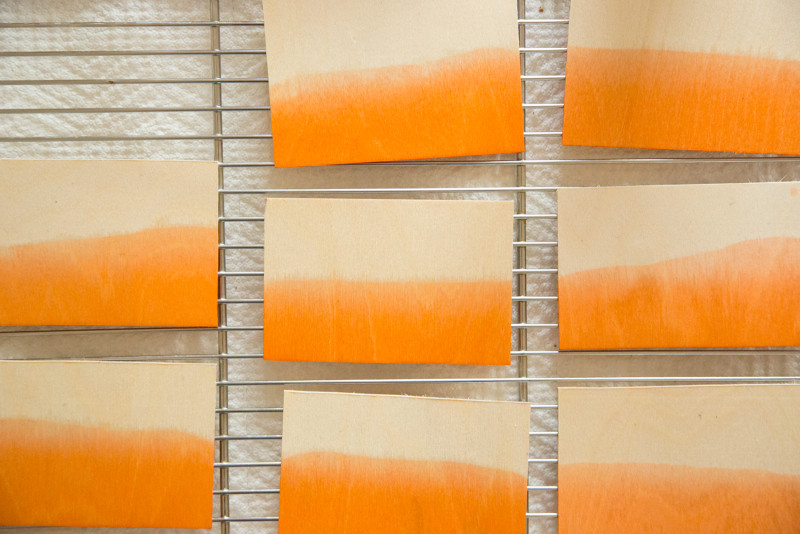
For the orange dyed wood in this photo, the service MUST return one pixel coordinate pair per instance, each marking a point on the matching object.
(657, 498)
(740, 295)
(158, 277)
(388, 322)
(462, 105)
(330, 492)
(106, 444)
(711, 459)
(395, 464)
(681, 100)
(415, 281)
(56, 474)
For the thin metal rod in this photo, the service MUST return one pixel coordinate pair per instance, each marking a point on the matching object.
(251, 465)
(227, 520)
(173, 137)
(520, 272)
(103, 53)
(500, 380)
(259, 219)
(214, 137)
(139, 81)
(189, 52)
(280, 437)
(222, 335)
(753, 160)
(257, 246)
(144, 109)
(132, 81)
(249, 492)
(521, 253)
(390, 190)
(199, 23)
(526, 298)
(121, 24)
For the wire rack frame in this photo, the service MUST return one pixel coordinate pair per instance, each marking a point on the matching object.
(542, 512)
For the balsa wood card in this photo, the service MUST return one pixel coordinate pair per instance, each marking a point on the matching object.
(102, 444)
(108, 243)
(684, 74)
(355, 464)
(354, 81)
(679, 266)
(710, 459)
(388, 281)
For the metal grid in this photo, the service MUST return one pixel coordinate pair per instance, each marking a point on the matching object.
(535, 372)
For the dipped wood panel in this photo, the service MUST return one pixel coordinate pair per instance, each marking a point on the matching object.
(380, 463)
(108, 243)
(388, 281)
(711, 459)
(684, 74)
(102, 444)
(679, 266)
(356, 82)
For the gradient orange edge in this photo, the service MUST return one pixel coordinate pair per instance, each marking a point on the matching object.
(681, 100)
(388, 322)
(654, 498)
(738, 296)
(58, 474)
(468, 104)
(157, 277)
(332, 492)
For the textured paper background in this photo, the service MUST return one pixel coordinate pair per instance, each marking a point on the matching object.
(540, 147)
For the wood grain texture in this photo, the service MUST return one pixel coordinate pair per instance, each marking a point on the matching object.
(106, 444)
(383, 81)
(679, 266)
(713, 459)
(108, 243)
(683, 75)
(388, 281)
(651, 499)
(380, 463)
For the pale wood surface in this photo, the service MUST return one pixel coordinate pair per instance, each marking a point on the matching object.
(316, 36)
(112, 395)
(768, 29)
(47, 200)
(733, 427)
(482, 433)
(388, 240)
(640, 225)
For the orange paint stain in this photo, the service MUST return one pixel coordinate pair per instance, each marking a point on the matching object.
(330, 492)
(739, 296)
(55, 474)
(681, 100)
(657, 498)
(388, 322)
(468, 104)
(159, 277)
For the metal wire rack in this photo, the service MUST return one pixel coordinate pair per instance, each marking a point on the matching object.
(224, 68)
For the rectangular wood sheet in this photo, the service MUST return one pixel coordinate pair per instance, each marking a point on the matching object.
(106, 444)
(108, 243)
(388, 281)
(679, 266)
(377, 81)
(684, 74)
(711, 459)
(366, 463)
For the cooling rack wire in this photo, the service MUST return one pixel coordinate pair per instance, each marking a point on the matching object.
(200, 102)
